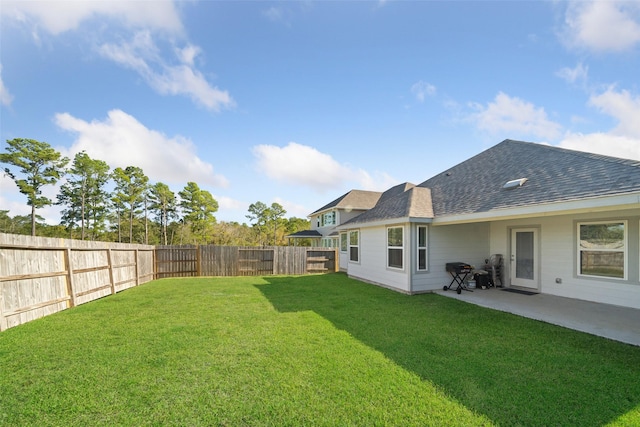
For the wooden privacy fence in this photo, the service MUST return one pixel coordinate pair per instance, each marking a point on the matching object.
(189, 261)
(41, 276)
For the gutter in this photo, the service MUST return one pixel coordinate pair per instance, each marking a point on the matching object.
(595, 204)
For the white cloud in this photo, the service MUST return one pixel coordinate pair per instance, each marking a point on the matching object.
(300, 164)
(16, 203)
(293, 208)
(623, 107)
(167, 75)
(602, 26)
(5, 97)
(284, 13)
(230, 209)
(577, 75)
(275, 14)
(515, 117)
(603, 143)
(188, 54)
(379, 181)
(121, 141)
(8, 192)
(303, 165)
(227, 203)
(143, 56)
(621, 141)
(422, 89)
(57, 17)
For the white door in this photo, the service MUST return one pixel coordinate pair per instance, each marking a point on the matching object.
(524, 258)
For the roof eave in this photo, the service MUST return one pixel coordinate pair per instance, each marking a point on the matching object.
(587, 205)
(335, 208)
(385, 222)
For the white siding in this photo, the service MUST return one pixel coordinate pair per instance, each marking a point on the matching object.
(344, 260)
(558, 257)
(373, 260)
(450, 243)
(473, 243)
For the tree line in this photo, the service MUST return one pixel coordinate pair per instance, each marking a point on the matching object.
(121, 205)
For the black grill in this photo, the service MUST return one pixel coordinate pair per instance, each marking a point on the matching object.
(458, 267)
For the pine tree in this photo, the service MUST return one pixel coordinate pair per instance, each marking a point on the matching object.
(40, 165)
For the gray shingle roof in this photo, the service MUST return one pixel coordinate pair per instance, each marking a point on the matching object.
(401, 201)
(306, 234)
(354, 199)
(476, 185)
(554, 175)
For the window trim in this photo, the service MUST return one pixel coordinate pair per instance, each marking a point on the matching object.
(399, 248)
(327, 242)
(624, 249)
(422, 248)
(328, 218)
(344, 241)
(356, 246)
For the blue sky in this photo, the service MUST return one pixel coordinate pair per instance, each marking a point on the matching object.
(299, 102)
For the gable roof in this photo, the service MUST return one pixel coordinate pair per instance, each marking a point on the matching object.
(553, 175)
(354, 199)
(402, 201)
(476, 185)
(307, 234)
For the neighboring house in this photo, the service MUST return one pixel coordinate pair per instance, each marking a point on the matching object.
(325, 220)
(566, 222)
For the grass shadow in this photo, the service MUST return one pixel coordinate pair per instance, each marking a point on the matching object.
(516, 371)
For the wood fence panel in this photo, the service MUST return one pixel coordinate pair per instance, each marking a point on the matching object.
(176, 261)
(255, 261)
(211, 260)
(123, 263)
(290, 260)
(91, 279)
(321, 260)
(219, 260)
(146, 265)
(41, 276)
(26, 296)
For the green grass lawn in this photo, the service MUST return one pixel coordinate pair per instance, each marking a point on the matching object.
(320, 350)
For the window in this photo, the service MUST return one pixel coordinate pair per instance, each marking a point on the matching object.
(328, 219)
(395, 250)
(602, 248)
(327, 242)
(343, 242)
(422, 248)
(354, 248)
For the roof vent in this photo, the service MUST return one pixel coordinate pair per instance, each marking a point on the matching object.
(515, 183)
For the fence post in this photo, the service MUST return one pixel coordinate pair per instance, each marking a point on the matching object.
(3, 320)
(154, 262)
(198, 260)
(70, 287)
(111, 280)
(274, 263)
(137, 262)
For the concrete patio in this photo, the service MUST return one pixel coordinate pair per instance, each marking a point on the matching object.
(609, 321)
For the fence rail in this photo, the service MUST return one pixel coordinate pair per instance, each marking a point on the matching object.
(191, 261)
(41, 276)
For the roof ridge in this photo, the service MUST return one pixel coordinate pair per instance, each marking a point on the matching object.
(576, 152)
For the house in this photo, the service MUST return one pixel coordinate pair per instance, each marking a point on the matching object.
(566, 223)
(325, 220)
